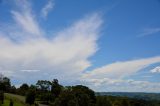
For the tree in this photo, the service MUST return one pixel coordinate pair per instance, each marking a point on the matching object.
(66, 98)
(1, 97)
(33, 87)
(24, 86)
(103, 101)
(43, 85)
(55, 87)
(85, 90)
(30, 97)
(46, 97)
(7, 83)
(22, 90)
(76, 96)
(11, 103)
(4, 83)
(125, 102)
(12, 89)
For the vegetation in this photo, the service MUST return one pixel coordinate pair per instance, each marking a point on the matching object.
(51, 93)
(137, 95)
(17, 99)
(1, 97)
(124, 101)
(30, 97)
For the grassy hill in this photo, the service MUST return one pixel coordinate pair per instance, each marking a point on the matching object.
(17, 100)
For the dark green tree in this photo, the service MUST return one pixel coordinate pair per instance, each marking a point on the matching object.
(30, 97)
(12, 89)
(85, 90)
(1, 97)
(5, 83)
(66, 98)
(76, 96)
(55, 87)
(11, 103)
(24, 86)
(43, 85)
(103, 101)
(23, 89)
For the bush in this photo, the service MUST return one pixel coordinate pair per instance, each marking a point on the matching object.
(30, 97)
(1, 97)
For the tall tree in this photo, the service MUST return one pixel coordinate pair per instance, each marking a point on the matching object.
(55, 87)
(43, 85)
(22, 90)
(1, 97)
(5, 83)
(76, 96)
(30, 97)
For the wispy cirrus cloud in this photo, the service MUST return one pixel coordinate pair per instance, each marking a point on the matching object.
(67, 52)
(47, 8)
(112, 77)
(149, 31)
(122, 69)
(26, 51)
(30, 70)
(27, 22)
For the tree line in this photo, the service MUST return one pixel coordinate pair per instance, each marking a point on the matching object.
(54, 94)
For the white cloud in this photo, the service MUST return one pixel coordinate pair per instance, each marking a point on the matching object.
(112, 77)
(26, 23)
(149, 31)
(26, 52)
(64, 56)
(30, 70)
(114, 85)
(156, 70)
(121, 69)
(47, 8)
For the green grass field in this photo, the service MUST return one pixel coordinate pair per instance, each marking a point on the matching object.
(15, 97)
(17, 100)
(6, 103)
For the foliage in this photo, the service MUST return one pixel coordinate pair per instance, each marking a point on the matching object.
(22, 90)
(1, 97)
(55, 87)
(123, 101)
(54, 94)
(76, 96)
(43, 85)
(30, 97)
(137, 95)
(11, 103)
(5, 83)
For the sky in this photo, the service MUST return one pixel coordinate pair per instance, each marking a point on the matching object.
(107, 45)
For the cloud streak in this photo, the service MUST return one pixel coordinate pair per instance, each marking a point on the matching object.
(150, 31)
(26, 51)
(112, 77)
(122, 69)
(47, 8)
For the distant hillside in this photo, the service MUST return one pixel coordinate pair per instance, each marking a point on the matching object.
(137, 95)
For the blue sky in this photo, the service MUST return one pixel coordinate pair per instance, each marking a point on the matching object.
(108, 45)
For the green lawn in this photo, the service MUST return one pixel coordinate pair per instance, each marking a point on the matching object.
(6, 103)
(17, 99)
